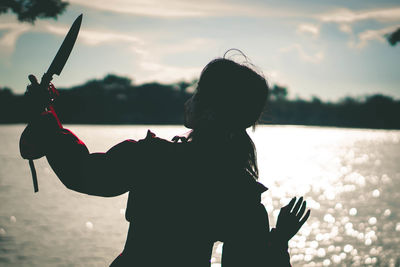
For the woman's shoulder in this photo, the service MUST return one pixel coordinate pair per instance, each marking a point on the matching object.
(150, 143)
(248, 188)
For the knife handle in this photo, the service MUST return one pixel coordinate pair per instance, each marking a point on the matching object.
(46, 79)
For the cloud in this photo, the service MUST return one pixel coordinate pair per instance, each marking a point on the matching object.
(307, 28)
(345, 18)
(144, 8)
(95, 37)
(149, 54)
(345, 28)
(188, 45)
(348, 16)
(12, 32)
(155, 71)
(369, 35)
(149, 57)
(313, 58)
(181, 8)
(89, 37)
(274, 76)
(152, 66)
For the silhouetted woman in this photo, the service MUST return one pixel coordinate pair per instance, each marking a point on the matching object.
(187, 194)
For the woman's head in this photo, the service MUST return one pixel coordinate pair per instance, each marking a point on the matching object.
(229, 96)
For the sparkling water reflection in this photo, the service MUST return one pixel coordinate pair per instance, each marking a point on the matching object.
(350, 179)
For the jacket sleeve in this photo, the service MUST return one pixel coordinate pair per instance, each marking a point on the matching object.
(102, 174)
(254, 245)
(278, 251)
(248, 240)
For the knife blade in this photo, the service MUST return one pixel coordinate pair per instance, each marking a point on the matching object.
(63, 52)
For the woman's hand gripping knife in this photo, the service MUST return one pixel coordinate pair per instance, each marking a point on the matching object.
(42, 119)
(290, 220)
(42, 122)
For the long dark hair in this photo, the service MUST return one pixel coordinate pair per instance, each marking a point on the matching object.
(231, 98)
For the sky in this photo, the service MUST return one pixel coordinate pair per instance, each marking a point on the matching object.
(328, 49)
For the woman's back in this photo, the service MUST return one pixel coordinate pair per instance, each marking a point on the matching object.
(190, 196)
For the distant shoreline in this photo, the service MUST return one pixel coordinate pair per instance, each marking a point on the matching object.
(114, 100)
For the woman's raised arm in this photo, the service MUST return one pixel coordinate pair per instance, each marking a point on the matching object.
(101, 174)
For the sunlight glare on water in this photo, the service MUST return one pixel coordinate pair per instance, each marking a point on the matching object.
(340, 172)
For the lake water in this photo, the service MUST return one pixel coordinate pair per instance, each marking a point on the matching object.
(349, 177)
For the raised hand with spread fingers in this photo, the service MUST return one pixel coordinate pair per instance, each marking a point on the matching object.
(291, 219)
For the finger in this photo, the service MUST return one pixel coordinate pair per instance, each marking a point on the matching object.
(291, 203)
(33, 80)
(302, 209)
(297, 207)
(53, 91)
(305, 218)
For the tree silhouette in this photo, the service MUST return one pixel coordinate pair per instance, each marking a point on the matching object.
(279, 92)
(30, 10)
(393, 37)
(117, 100)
